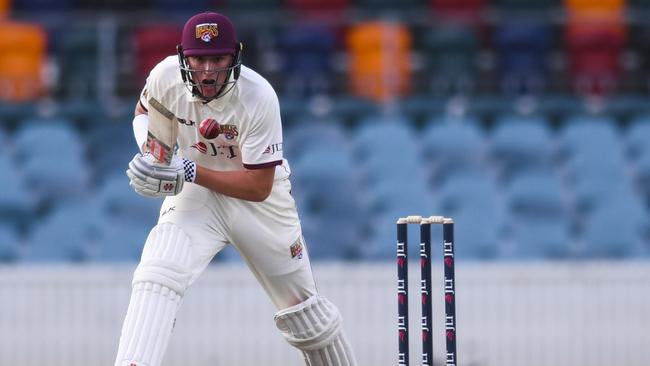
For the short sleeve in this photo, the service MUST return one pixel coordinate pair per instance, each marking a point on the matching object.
(261, 145)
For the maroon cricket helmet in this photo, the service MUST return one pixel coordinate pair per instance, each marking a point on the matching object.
(208, 34)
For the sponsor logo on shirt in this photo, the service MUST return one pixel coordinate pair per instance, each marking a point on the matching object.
(229, 151)
(273, 148)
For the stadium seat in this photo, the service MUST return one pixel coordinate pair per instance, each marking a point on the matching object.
(54, 178)
(519, 143)
(332, 237)
(450, 57)
(9, 244)
(120, 241)
(380, 65)
(123, 206)
(388, 195)
(152, 44)
(637, 137)
(545, 240)
(16, 203)
(56, 138)
(308, 132)
(478, 235)
(54, 239)
(585, 133)
(78, 54)
(352, 109)
(379, 6)
(470, 191)
(36, 6)
(110, 147)
(458, 11)
(381, 136)
(185, 6)
(594, 55)
(642, 175)
(308, 52)
(536, 195)
(318, 9)
(23, 48)
(325, 182)
(523, 56)
(452, 145)
(615, 231)
(527, 8)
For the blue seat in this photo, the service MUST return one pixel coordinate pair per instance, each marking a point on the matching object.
(453, 144)
(537, 196)
(389, 195)
(122, 205)
(523, 49)
(544, 240)
(642, 174)
(477, 234)
(325, 183)
(111, 146)
(9, 244)
(637, 136)
(120, 241)
(521, 143)
(352, 109)
(332, 237)
(54, 239)
(52, 179)
(590, 193)
(308, 52)
(382, 136)
(615, 231)
(16, 203)
(583, 133)
(36, 137)
(310, 132)
(470, 192)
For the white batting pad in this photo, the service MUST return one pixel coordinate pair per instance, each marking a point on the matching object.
(315, 327)
(158, 286)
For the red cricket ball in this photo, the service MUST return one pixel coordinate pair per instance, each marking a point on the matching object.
(209, 128)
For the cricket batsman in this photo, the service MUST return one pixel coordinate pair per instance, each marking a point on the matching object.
(227, 183)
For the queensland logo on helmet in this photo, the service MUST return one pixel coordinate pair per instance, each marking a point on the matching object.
(207, 31)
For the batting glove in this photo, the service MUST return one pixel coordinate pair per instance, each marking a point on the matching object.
(150, 178)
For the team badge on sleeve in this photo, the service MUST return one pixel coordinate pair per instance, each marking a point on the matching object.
(207, 31)
(296, 249)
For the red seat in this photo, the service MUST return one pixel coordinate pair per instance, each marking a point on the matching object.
(152, 44)
(319, 9)
(594, 53)
(466, 11)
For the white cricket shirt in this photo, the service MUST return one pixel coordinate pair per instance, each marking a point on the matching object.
(249, 117)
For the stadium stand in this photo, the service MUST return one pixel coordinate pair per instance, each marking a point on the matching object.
(526, 121)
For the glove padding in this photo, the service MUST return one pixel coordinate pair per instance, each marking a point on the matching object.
(152, 179)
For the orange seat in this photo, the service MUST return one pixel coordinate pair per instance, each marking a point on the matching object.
(380, 67)
(22, 56)
(600, 6)
(4, 8)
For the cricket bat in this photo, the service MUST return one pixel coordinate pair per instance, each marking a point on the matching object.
(162, 133)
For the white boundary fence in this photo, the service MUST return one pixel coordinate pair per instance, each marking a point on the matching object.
(572, 314)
